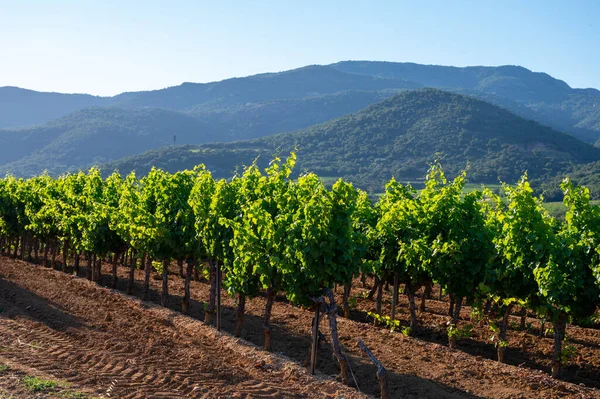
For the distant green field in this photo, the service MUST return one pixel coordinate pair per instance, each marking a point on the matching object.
(495, 187)
(478, 186)
(558, 209)
(329, 179)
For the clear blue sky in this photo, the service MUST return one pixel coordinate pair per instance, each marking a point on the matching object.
(106, 46)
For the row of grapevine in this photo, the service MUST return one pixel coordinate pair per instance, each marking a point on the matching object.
(483, 249)
(263, 231)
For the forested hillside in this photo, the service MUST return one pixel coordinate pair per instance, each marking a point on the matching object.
(400, 137)
(222, 160)
(237, 109)
(585, 175)
(30, 150)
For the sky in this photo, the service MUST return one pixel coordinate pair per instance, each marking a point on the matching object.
(107, 47)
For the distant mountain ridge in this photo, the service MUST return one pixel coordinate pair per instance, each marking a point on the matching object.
(398, 137)
(543, 95)
(309, 81)
(22, 107)
(508, 80)
(266, 104)
(315, 80)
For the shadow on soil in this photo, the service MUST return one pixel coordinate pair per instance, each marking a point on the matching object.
(582, 373)
(18, 302)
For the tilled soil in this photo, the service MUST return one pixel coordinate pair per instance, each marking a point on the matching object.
(114, 345)
(529, 347)
(420, 367)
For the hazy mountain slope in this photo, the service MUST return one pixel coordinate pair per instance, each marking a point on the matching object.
(565, 117)
(96, 135)
(20, 107)
(253, 120)
(260, 105)
(401, 135)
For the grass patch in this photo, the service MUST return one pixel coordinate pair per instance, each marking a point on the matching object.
(4, 367)
(35, 384)
(556, 209)
(329, 179)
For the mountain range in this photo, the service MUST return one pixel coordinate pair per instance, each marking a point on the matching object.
(66, 132)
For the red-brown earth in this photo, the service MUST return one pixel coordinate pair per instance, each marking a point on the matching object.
(74, 330)
(99, 342)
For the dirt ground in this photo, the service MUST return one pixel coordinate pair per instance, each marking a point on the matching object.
(175, 356)
(91, 339)
(527, 348)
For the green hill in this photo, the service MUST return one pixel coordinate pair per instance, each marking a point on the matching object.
(198, 125)
(96, 135)
(399, 137)
(237, 109)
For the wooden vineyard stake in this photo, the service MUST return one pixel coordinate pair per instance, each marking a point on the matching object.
(395, 296)
(381, 371)
(315, 339)
(218, 296)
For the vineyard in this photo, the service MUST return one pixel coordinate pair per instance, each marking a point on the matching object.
(263, 235)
